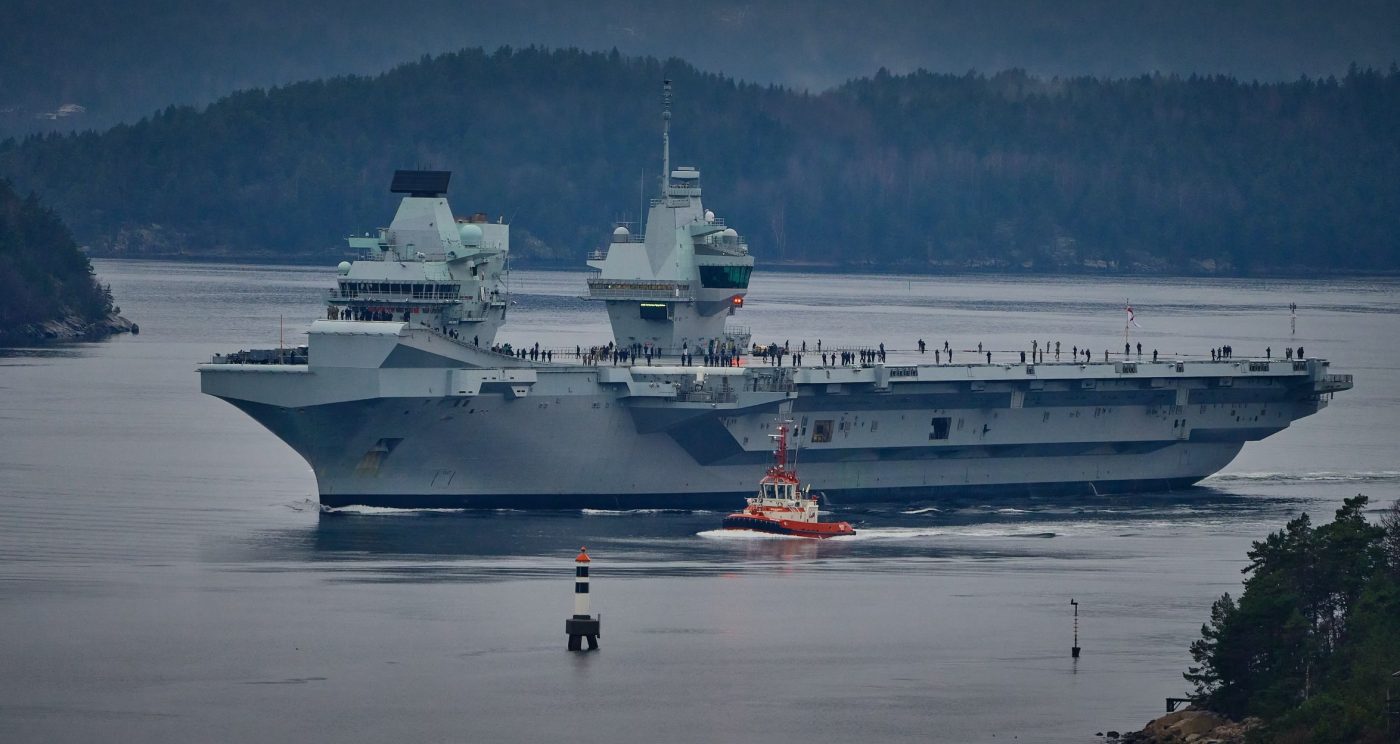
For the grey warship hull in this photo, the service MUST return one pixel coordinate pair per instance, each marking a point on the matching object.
(409, 414)
(395, 415)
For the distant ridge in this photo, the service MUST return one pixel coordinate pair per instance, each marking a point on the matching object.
(918, 172)
(118, 60)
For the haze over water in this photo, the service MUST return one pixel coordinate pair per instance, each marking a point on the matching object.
(167, 576)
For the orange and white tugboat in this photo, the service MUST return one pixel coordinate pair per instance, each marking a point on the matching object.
(782, 506)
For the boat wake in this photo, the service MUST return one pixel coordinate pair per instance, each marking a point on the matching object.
(745, 535)
(918, 533)
(866, 534)
(637, 512)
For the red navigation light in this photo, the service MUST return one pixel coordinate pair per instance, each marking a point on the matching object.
(737, 300)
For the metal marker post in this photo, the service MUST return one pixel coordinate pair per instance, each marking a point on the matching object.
(1074, 650)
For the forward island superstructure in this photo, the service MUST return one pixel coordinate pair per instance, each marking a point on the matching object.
(398, 399)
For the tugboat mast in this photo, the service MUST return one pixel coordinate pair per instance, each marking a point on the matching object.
(780, 454)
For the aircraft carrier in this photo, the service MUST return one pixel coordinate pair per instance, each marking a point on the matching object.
(402, 398)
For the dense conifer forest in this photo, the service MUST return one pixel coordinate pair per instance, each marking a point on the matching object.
(918, 172)
(43, 276)
(1312, 643)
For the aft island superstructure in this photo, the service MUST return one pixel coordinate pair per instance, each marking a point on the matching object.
(670, 290)
(398, 399)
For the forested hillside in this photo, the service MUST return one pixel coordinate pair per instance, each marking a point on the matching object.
(47, 289)
(916, 172)
(1312, 643)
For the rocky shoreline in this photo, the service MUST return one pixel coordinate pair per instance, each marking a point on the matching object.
(1190, 726)
(67, 328)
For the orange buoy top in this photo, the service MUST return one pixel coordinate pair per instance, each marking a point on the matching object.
(582, 556)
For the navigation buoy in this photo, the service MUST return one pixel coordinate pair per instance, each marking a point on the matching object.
(582, 624)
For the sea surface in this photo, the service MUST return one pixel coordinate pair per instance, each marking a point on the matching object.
(166, 574)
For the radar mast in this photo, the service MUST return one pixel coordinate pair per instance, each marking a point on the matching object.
(665, 135)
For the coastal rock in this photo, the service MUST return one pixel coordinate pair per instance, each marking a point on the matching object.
(1192, 726)
(67, 328)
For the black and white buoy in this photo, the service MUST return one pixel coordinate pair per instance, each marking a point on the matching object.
(582, 624)
(1074, 650)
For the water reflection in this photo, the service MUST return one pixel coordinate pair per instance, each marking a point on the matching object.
(57, 351)
(499, 545)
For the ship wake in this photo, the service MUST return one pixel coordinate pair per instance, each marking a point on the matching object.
(1378, 476)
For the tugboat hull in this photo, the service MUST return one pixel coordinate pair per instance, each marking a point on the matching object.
(786, 527)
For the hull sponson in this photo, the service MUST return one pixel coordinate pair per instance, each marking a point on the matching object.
(571, 436)
(503, 458)
(720, 501)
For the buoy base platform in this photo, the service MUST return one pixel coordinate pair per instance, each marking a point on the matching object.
(580, 627)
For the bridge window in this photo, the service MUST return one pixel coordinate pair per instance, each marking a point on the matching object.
(725, 277)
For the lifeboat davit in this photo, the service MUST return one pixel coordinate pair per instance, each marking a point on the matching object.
(782, 506)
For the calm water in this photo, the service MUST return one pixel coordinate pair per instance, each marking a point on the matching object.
(166, 576)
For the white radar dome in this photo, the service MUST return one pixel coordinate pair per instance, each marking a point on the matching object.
(471, 234)
(343, 267)
(709, 216)
(730, 232)
(621, 234)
